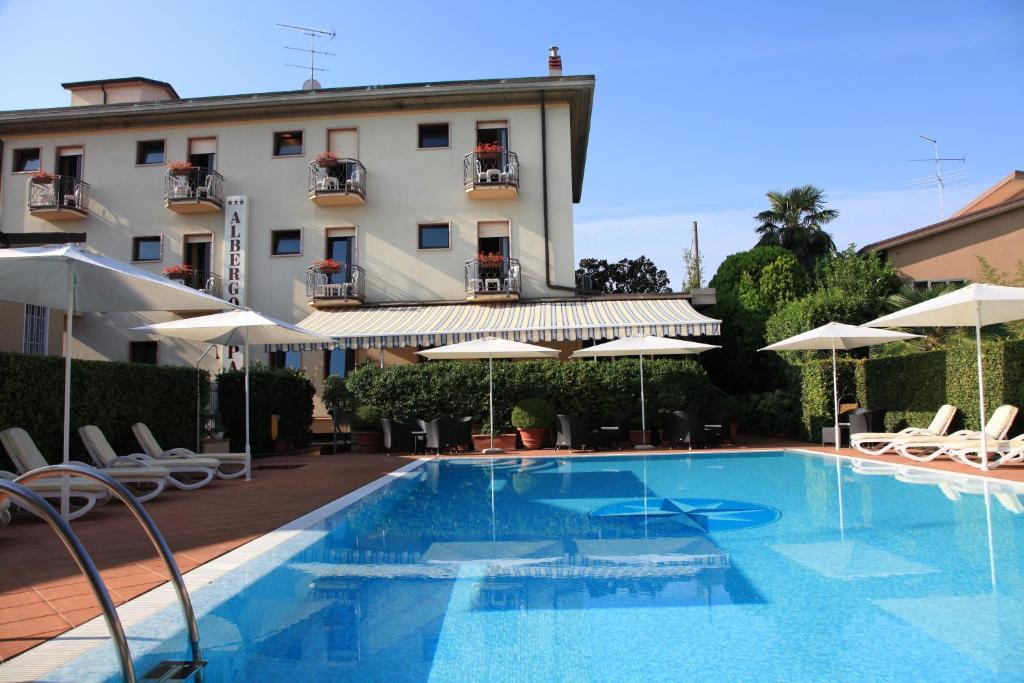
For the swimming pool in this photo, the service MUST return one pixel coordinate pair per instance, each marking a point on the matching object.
(697, 567)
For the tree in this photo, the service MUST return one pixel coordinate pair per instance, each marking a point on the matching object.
(794, 221)
(627, 276)
(867, 275)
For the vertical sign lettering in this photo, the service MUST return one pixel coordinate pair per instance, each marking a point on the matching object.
(236, 227)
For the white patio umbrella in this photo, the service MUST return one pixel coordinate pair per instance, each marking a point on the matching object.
(833, 336)
(489, 348)
(643, 346)
(245, 326)
(81, 280)
(975, 305)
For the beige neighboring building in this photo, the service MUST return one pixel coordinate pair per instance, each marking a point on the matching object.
(990, 226)
(447, 209)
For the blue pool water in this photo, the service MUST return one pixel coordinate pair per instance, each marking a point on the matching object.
(763, 566)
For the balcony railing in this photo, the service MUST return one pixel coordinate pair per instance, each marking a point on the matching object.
(200, 188)
(346, 286)
(344, 182)
(491, 171)
(497, 278)
(203, 280)
(59, 195)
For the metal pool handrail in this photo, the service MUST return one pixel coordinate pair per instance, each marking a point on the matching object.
(125, 496)
(35, 504)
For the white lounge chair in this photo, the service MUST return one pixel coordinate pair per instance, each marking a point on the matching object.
(144, 482)
(1008, 450)
(231, 464)
(186, 475)
(877, 443)
(83, 494)
(926, 448)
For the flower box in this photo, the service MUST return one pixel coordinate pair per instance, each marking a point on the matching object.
(178, 272)
(327, 159)
(327, 266)
(506, 442)
(179, 167)
(42, 177)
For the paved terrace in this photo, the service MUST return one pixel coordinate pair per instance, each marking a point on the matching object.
(43, 595)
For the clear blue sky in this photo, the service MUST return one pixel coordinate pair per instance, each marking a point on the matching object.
(701, 107)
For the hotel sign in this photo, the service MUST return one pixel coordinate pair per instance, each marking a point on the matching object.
(236, 228)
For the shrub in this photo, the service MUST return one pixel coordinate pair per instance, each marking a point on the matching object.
(336, 394)
(283, 392)
(533, 413)
(112, 396)
(367, 419)
(775, 413)
(816, 398)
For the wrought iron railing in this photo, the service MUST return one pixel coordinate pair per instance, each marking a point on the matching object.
(203, 280)
(346, 176)
(192, 185)
(61, 192)
(484, 169)
(492, 276)
(347, 283)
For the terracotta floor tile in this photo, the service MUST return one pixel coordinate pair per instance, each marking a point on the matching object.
(11, 600)
(31, 627)
(80, 616)
(26, 611)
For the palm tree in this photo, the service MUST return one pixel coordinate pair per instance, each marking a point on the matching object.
(794, 222)
(932, 338)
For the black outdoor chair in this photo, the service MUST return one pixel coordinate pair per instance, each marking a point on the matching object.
(450, 433)
(681, 427)
(866, 420)
(398, 437)
(575, 432)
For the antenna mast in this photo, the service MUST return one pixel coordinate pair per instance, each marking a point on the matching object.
(939, 182)
(313, 33)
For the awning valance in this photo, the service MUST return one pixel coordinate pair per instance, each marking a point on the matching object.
(527, 321)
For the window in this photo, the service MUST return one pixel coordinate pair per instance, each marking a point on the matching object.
(339, 362)
(146, 248)
(434, 236)
(149, 152)
(142, 352)
(288, 144)
(286, 359)
(286, 242)
(433, 135)
(26, 160)
(36, 329)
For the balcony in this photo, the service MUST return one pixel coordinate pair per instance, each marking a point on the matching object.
(58, 198)
(494, 279)
(491, 175)
(203, 280)
(194, 190)
(347, 287)
(342, 183)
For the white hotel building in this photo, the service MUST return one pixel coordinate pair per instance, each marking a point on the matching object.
(447, 206)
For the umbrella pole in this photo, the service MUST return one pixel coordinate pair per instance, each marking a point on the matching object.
(835, 396)
(643, 411)
(981, 388)
(69, 316)
(248, 450)
(490, 392)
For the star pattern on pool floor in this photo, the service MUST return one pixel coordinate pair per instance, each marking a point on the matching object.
(710, 514)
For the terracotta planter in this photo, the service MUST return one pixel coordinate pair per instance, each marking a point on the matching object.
(532, 438)
(42, 181)
(637, 437)
(506, 442)
(369, 442)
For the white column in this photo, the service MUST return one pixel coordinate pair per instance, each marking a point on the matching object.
(981, 387)
(248, 448)
(69, 316)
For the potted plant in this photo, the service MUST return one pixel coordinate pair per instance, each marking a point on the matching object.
(504, 438)
(327, 159)
(367, 430)
(179, 167)
(179, 271)
(490, 259)
(42, 177)
(533, 417)
(338, 400)
(327, 266)
(488, 148)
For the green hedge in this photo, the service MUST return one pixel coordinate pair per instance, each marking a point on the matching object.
(593, 390)
(112, 396)
(912, 387)
(275, 391)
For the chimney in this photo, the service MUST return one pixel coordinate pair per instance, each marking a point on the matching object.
(554, 62)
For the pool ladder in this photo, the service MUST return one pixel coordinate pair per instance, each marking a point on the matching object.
(170, 670)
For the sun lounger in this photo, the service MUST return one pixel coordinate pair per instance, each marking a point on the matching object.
(187, 474)
(999, 451)
(877, 443)
(925, 448)
(144, 482)
(83, 494)
(231, 464)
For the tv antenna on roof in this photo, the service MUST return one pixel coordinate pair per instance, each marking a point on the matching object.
(938, 180)
(313, 33)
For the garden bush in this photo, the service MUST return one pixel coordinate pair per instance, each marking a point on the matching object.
(533, 413)
(112, 396)
(367, 419)
(590, 389)
(275, 391)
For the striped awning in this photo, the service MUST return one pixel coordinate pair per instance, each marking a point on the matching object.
(425, 325)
